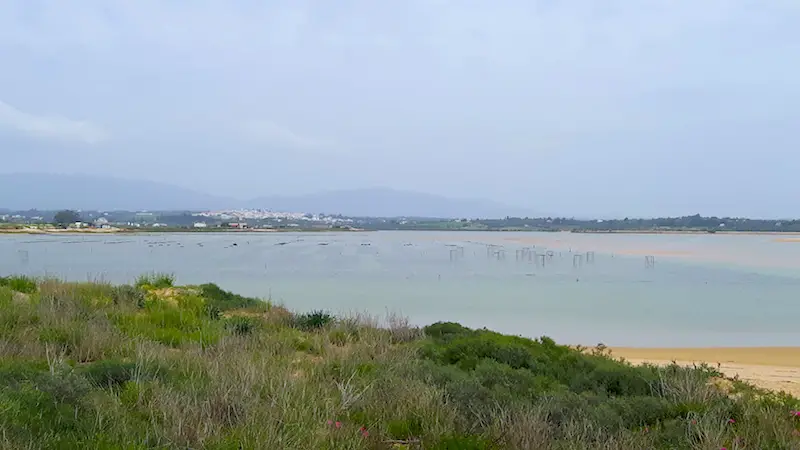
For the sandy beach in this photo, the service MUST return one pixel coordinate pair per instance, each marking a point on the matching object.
(774, 368)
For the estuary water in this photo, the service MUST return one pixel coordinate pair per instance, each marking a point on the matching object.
(621, 289)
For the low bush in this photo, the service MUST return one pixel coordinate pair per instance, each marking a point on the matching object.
(128, 295)
(19, 283)
(463, 442)
(155, 280)
(314, 320)
(577, 371)
(241, 326)
(444, 331)
(405, 429)
(222, 300)
(110, 373)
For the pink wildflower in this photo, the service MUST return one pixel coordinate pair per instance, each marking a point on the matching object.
(796, 413)
(330, 422)
(731, 421)
(364, 431)
(338, 424)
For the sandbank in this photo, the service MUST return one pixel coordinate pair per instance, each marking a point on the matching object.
(773, 368)
(786, 240)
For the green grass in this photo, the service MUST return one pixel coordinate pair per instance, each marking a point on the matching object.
(20, 283)
(155, 280)
(155, 366)
(224, 300)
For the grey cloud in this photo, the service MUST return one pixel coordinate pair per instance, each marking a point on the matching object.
(50, 126)
(508, 100)
(263, 131)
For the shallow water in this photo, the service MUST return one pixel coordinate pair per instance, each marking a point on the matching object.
(704, 290)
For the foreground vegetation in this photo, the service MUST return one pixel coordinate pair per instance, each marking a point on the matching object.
(152, 365)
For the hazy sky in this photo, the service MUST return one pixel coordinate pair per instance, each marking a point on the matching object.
(644, 107)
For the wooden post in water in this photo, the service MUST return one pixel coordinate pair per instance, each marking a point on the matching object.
(577, 260)
(589, 257)
(540, 259)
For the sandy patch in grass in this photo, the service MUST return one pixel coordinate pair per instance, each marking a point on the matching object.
(773, 368)
(277, 313)
(170, 295)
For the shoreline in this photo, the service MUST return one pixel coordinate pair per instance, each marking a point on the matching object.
(771, 368)
(125, 231)
(426, 230)
(703, 232)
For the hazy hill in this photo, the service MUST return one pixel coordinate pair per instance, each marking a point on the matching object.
(51, 192)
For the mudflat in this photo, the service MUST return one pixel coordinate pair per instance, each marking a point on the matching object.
(774, 368)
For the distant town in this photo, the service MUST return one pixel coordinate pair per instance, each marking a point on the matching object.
(240, 219)
(266, 220)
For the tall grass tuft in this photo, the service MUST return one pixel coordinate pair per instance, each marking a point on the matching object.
(19, 283)
(155, 280)
(314, 320)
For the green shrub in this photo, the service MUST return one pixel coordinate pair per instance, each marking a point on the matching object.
(170, 325)
(446, 330)
(509, 384)
(19, 283)
(314, 320)
(462, 442)
(405, 429)
(155, 280)
(212, 312)
(14, 371)
(338, 337)
(578, 371)
(33, 414)
(128, 295)
(109, 373)
(223, 300)
(42, 405)
(303, 344)
(241, 325)
(7, 296)
(64, 385)
(64, 337)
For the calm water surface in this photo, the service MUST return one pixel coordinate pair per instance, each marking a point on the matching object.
(704, 290)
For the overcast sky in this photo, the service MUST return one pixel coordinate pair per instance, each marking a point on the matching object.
(571, 106)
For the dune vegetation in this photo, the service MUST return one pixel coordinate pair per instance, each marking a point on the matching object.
(155, 365)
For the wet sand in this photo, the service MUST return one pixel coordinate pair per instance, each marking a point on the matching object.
(774, 368)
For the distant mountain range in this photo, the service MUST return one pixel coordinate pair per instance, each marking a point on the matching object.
(52, 192)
